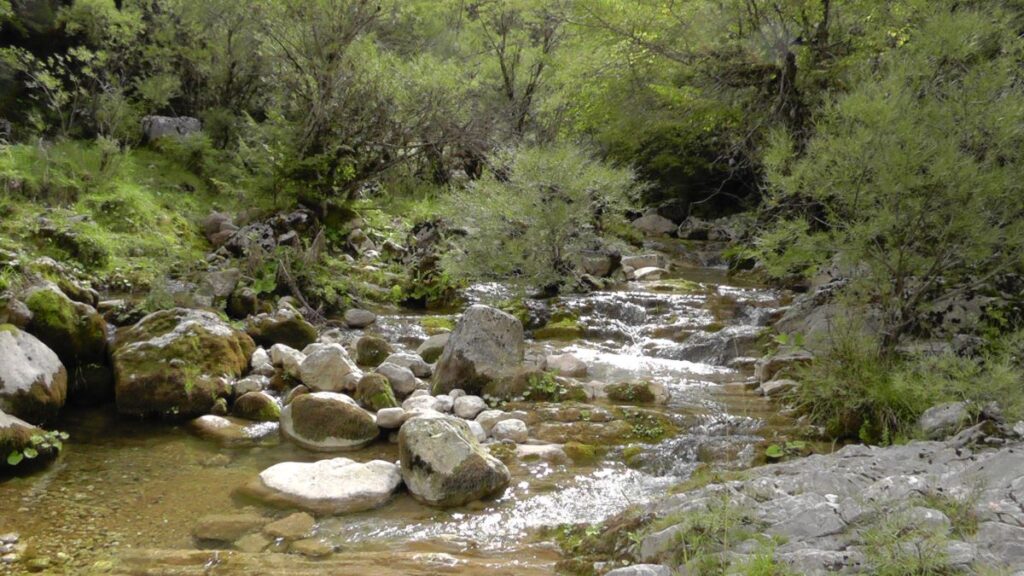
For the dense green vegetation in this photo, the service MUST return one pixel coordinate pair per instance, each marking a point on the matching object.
(879, 142)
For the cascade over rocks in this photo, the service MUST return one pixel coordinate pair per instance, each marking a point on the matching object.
(444, 465)
(33, 382)
(485, 345)
(178, 363)
(328, 422)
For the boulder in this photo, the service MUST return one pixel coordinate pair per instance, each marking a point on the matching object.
(419, 367)
(469, 407)
(403, 381)
(16, 436)
(217, 286)
(654, 225)
(178, 362)
(777, 387)
(391, 418)
(944, 420)
(644, 261)
(485, 345)
(285, 326)
(78, 334)
(356, 318)
(329, 369)
(328, 422)
(374, 392)
(157, 127)
(432, 348)
(783, 360)
(33, 381)
(334, 486)
(257, 406)
(288, 359)
(512, 429)
(444, 465)
(566, 365)
(292, 527)
(372, 350)
(242, 303)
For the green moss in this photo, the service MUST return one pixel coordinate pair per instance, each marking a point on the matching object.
(8, 328)
(583, 453)
(375, 393)
(631, 392)
(372, 350)
(502, 451)
(563, 329)
(705, 475)
(437, 324)
(257, 406)
(77, 336)
(648, 426)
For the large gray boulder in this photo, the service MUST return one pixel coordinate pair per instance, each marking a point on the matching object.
(939, 422)
(444, 465)
(654, 225)
(328, 368)
(178, 363)
(485, 345)
(33, 382)
(328, 422)
(335, 486)
(157, 127)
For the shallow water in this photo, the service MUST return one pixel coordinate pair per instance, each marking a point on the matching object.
(133, 491)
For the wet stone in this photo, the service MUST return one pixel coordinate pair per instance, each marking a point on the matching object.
(293, 527)
(227, 527)
(252, 543)
(312, 548)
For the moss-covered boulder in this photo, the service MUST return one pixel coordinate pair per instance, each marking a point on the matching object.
(258, 406)
(639, 392)
(24, 447)
(444, 465)
(375, 393)
(536, 386)
(486, 344)
(328, 422)
(285, 326)
(78, 334)
(565, 328)
(177, 363)
(372, 350)
(33, 381)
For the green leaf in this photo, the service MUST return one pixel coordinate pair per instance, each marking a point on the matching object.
(36, 439)
(30, 453)
(14, 458)
(796, 445)
(774, 452)
(63, 435)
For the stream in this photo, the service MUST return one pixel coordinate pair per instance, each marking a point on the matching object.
(125, 495)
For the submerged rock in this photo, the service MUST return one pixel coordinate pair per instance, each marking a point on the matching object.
(177, 363)
(33, 381)
(334, 486)
(485, 345)
(328, 422)
(444, 465)
(231, 431)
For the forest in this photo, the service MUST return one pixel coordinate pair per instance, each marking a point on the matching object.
(625, 287)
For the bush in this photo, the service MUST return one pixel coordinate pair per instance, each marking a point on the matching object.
(530, 220)
(856, 392)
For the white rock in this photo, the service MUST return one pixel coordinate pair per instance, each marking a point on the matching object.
(511, 429)
(477, 430)
(649, 273)
(288, 359)
(566, 365)
(457, 393)
(326, 368)
(469, 407)
(417, 365)
(424, 402)
(251, 383)
(444, 403)
(335, 486)
(33, 382)
(260, 359)
(420, 392)
(403, 381)
(391, 418)
(552, 453)
(488, 418)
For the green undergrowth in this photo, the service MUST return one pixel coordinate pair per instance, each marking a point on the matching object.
(127, 217)
(856, 393)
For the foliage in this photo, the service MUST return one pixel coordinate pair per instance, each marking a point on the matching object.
(531, 218)
(49, 441)
(912, 182)
(897, 546)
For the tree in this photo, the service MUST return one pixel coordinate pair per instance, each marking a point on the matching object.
(531, 221)
(913, 180)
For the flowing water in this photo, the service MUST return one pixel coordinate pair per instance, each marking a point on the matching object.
(125, 495)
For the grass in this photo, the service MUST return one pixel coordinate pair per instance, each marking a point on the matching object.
(126, 217)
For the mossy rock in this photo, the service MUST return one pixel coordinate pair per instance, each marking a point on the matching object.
(583, 453)
(17, 436)
(257, 406)
(372, 350)
(562, 329)
(535, 386)
(434, 325)
(641, 392)
(75, 331)
(328, 422)
(178, 363)
(33, 381)
(285, 326)
(374, 392)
